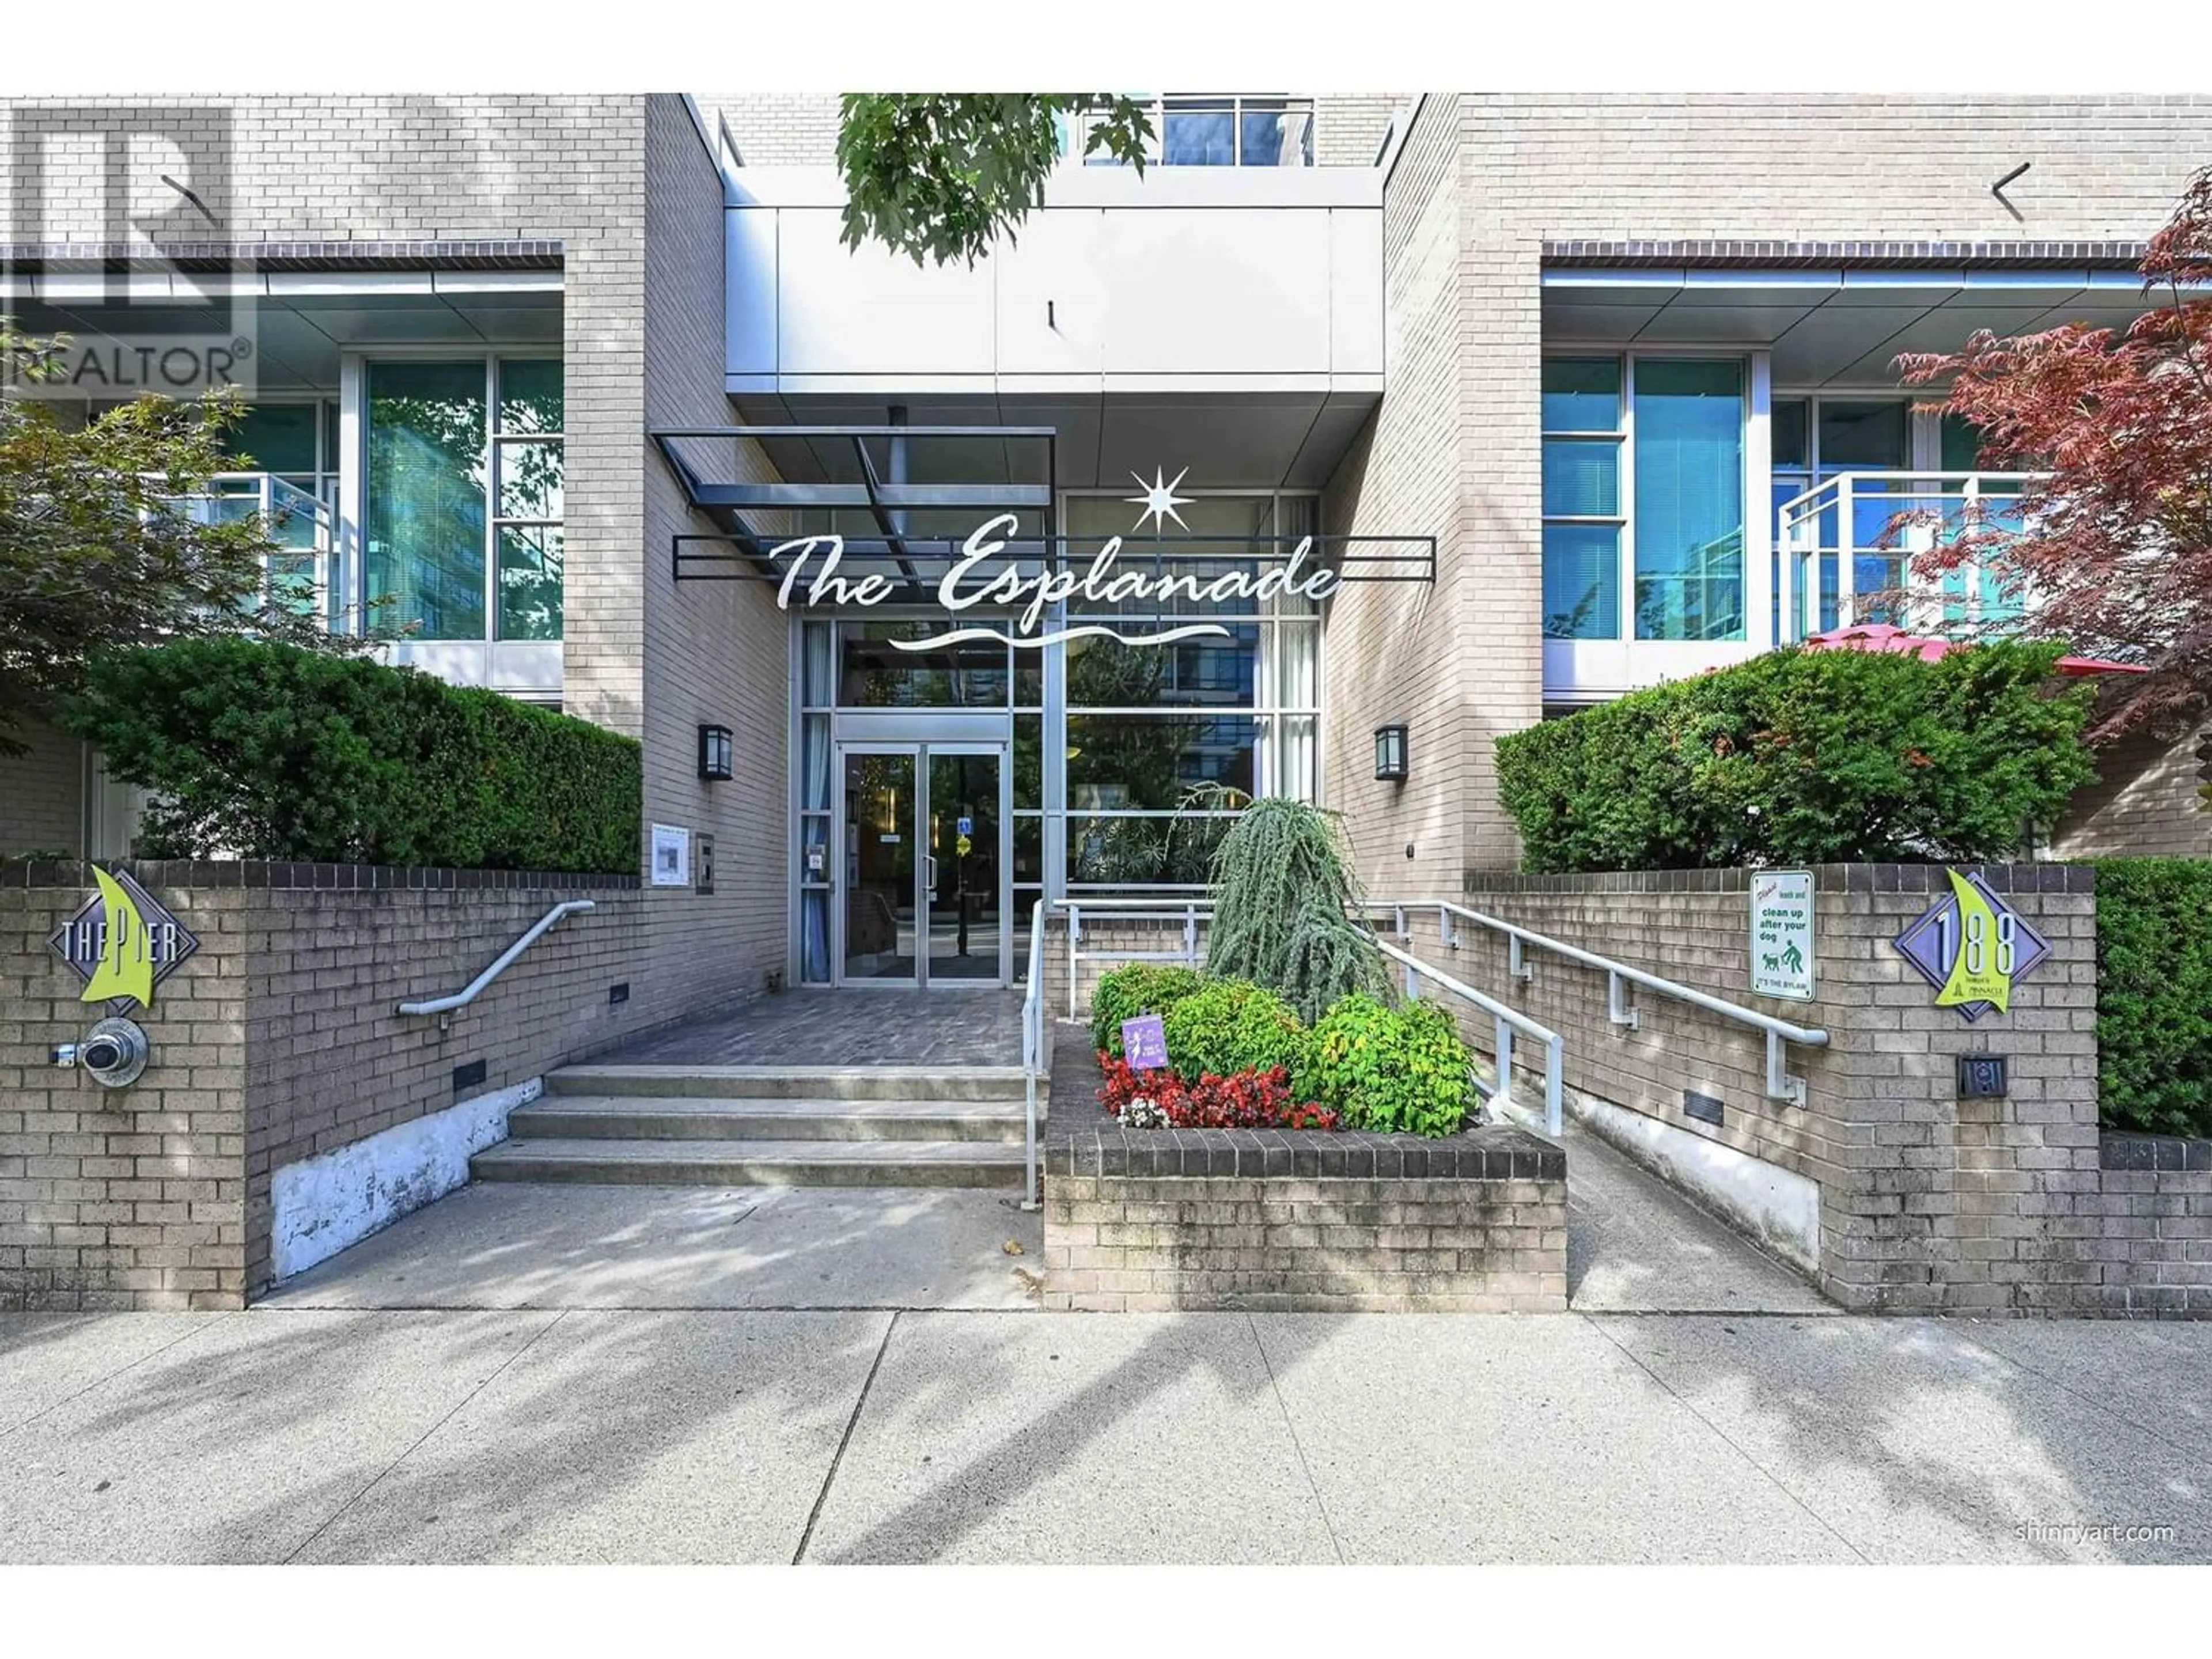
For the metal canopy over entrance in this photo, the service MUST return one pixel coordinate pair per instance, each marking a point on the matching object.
(904, 501)
(1000, 692)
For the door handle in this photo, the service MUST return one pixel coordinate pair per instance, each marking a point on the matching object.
(929, 874)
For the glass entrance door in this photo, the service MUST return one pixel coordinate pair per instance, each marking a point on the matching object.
(966, 903)
(920, 895)
(882, 860)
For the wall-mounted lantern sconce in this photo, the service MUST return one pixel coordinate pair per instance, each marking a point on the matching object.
(715, 753)
(1390, 752)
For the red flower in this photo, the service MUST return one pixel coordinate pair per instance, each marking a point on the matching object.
(1245, 1100)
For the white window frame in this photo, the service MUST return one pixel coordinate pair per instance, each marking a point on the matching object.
(529, 669)
(1581, 671)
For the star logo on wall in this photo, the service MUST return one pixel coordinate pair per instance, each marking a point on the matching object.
(1160, 500)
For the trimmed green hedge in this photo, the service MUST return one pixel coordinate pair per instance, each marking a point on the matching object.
(270, 751)
(2154, 995)
(1805, 757)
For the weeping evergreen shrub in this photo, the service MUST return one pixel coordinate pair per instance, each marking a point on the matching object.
(1282, 881)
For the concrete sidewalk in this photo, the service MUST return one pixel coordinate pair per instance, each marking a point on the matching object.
(294, 1434)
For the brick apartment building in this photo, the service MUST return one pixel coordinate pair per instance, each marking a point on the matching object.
(1622, 362)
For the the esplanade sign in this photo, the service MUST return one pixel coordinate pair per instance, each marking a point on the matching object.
(979, 577)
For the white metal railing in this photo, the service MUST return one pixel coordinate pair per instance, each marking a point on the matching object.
(1190, 913)
(1620, 1010)
(1855, 534)
(1505, 1022)
(1034, 1058)
(475, 988)
(300, 573)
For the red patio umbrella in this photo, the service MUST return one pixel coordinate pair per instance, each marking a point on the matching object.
(1881, 637)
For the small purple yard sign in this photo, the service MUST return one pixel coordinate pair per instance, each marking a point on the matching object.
(1144, 1043)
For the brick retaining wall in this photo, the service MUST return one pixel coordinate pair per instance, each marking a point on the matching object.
(277, 1041)
(1138, 1219)
(1928, 1202)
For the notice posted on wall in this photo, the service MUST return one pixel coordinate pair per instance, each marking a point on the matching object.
(1782, 934)
(671, 856)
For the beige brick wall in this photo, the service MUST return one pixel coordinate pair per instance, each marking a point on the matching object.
(42, 793)
(628, 185)
(1108, 943)
(130, 1199)
(778, 128)
(2147, 802)
(711, 652)
(1130, 1244)
(277, 1041)
(1929, 1203)
(363, 167)
(1816, 165)
(1455, 450)
(1388, 647)
(1349, 127)
(331, 1061)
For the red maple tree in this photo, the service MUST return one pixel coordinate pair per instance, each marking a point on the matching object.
(2115, 542)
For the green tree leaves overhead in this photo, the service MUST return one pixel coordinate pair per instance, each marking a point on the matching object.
(938, 175)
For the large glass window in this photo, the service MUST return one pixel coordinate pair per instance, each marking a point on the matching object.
(1642, 467)
(1688, 530)
(531, 456)
(1146, 725)
(464, 499)
(877, 674)
(1208, 130)
(1582, 410)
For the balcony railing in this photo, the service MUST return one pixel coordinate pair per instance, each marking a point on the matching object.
(1844, 550)
(299, 574)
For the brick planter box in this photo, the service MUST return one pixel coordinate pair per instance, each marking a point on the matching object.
(1272, 1220)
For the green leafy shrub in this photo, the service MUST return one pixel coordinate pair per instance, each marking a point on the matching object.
(269, 751)
(1142, 988)
(1805, 757)
(1401, 1069)
(1227, 1026)
(2154, 995)
(1281, 884)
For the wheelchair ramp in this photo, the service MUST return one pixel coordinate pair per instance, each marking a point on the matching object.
(1636, 1245)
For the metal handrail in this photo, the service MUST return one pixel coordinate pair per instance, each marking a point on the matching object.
(475, 988)
(1781, 1085)
(1505, 1022)
(1188, 912)
(1033, 1060)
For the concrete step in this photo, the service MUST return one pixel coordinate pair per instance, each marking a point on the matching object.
(754, 1162)
(892, 1083)
(712, 1117)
